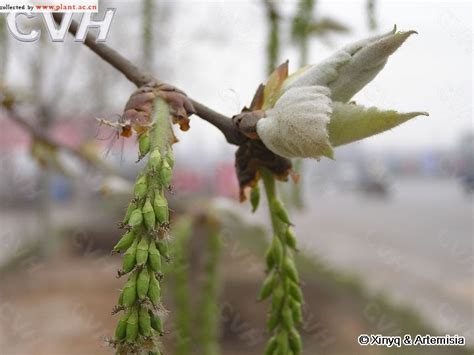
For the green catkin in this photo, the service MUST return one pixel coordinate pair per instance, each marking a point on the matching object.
(154, 257)
(132, 325)
(154, 290)
(160, 206)
(129, 257)
(142, 255)
(156, 323)
(140, 187)
(144, 321)
(149, 215)
(136, 218)
(255, 198)
(130, 291)
(125, 242)
(143, 283)
(155, 160)
(166, 173)
(142, 251)
(286, 296)
(144, 144)
(121, 329)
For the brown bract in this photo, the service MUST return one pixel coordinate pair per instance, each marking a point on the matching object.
(139, 108)
(252, 154)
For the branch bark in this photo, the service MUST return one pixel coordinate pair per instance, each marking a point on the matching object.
(140, 77)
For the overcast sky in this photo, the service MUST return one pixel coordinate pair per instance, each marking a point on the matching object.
(215, 51)
(431, 72)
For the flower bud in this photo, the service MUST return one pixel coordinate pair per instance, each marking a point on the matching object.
(160, 205)
(287, 318)
(142, 251)
(164, 249)
(170, 157)
(277, 250)
(296, 345)
(272, 321)
(154, 257)
(132, 325)
(144, 321)
(269, 259)
(149, 215)
(166, 173)
(255, 198)
(129, 257)
(290, 269)
(282, 339)
(295, 291)
(130, 290)
(267, 286)
(154, 162)
(297, 313)
(125, 242)
(290, 238)
(131, 207)
(121, 329)
(140, 187)
(271, 346)
(136, 218)
(143, 282)
(279, 210)
(154, 290)
(277, 299)
(157, 323)
(144, 144)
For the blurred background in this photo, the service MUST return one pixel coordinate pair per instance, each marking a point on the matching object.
(385, 230)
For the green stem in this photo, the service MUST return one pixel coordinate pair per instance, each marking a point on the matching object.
(270, 190)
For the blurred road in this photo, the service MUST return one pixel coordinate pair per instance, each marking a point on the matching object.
(416, 245)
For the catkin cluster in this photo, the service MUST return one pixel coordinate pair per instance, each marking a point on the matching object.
(145, 247)
(282, 282)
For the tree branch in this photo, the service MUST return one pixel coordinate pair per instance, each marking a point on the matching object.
(140, 77)
(40, 135)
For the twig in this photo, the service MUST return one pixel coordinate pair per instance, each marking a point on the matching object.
(39, 134)
(140, 77)
(45, 138)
